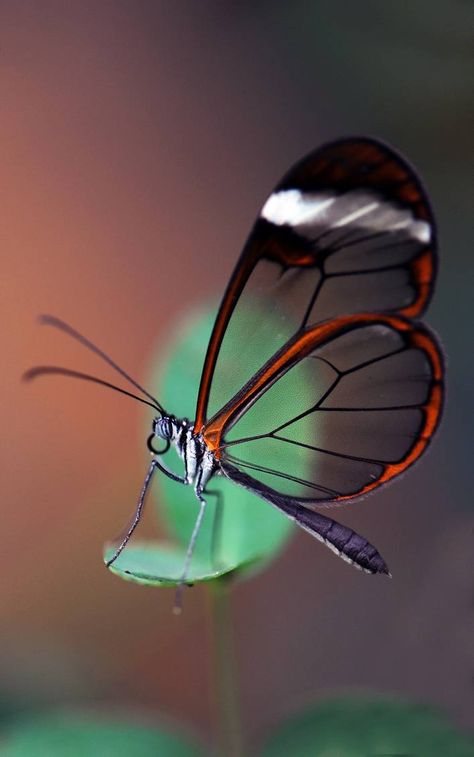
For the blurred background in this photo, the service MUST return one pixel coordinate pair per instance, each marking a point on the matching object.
(138, 141)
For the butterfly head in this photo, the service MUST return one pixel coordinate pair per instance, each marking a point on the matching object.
(166, 428)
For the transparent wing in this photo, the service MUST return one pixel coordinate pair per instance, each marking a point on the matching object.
(342, 409)
(348, 230)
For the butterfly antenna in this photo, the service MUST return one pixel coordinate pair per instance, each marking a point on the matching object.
(45, 370)
(57, 323)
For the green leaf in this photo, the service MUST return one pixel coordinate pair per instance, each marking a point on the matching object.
(362, 726)
(67, 735)
(253, 532)
(160, 564)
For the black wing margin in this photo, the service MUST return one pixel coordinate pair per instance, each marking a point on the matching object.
(348, 230)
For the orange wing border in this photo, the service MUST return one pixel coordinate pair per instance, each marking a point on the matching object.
(341, 165)
(415, 335)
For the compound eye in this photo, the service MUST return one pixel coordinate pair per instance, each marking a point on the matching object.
(163, 428)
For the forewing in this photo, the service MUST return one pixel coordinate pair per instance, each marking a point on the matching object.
(343, 408)
(348, 230)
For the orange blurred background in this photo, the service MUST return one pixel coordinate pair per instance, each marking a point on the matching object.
(138, 142)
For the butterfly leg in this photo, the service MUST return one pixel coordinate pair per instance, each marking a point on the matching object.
(216, 533)
(137, 514)
(189, 552)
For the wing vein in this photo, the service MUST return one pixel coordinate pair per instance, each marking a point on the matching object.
(287, 476)
(333, 453)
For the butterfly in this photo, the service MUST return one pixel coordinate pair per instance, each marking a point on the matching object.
(319, 384)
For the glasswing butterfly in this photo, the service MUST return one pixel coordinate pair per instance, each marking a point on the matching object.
(332, 387)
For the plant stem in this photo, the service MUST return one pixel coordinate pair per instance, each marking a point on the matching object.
(229, 726)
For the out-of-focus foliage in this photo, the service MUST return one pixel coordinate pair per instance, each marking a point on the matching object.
(363, 725)
(65, 735)
(346, 727)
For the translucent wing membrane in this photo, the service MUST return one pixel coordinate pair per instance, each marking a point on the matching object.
(349, 230)
(344, 407)
(317, 386)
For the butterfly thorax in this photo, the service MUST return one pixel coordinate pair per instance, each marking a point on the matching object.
(199, 461)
